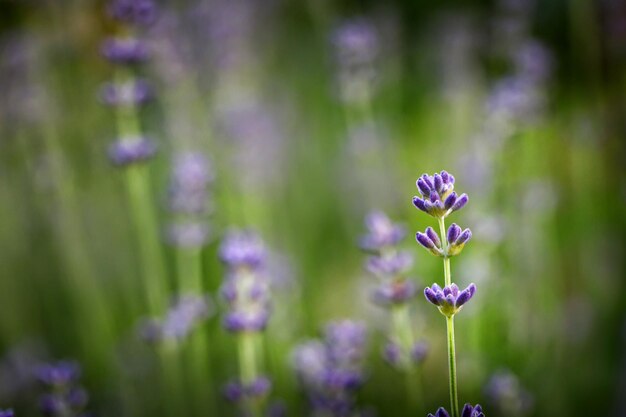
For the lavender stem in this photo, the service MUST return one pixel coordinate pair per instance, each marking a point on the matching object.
(454, 401)
(406, 339)
(444, 246)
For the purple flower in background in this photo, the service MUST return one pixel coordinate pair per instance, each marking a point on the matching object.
(449, 299)
(7, 413)
(394, 354)
(125, 51)
(438, 198)
(131, 149)
(188, 234)
(133, 12)
(64, 396)
(186, 313)
(191, 177)
(132, 93)
(356, 47)
(246, 288)
(507, 396)
(396, 292)
(235, 391)
(382, 232)
(331, 371)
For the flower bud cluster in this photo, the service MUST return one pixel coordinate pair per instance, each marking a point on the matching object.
(387, 262)
(126, 52)
(64, 397)
(246, 288)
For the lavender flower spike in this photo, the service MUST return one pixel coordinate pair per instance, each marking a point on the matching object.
(438, 198)
(450, 299)
(6, 413)
(382, 232)
(457, 239)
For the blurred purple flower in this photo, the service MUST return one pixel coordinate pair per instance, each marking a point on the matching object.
(191, 177)
(7, 413)
(507, 396)
(382, 232)
(126, 51)
(131, 149)
(132, 93)
(133, 12)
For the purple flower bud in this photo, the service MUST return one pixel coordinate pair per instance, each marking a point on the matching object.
(466, 295)
(127, 51)
(431, 295)
(463, 237)
(432, 235)
(453, 233)
(428, 181)
(423, 187)
(470, 411)
(424, 240)
(445, 177)
(419, 203)
(460, 202)
(450, 200)
(441, 412)
(438, 182)
(131, 149)
(434, 197)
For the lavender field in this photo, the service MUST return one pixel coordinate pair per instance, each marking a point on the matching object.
(273, 208)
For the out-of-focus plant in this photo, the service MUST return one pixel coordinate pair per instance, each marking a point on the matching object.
(246, 290)
(331, 371)
(395, 291)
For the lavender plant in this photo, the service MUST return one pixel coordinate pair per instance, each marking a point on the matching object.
(439, 200)
(331, 371)
(64, 397)
(7, 413)
(247, 294)
(394, 292)
(126, 93)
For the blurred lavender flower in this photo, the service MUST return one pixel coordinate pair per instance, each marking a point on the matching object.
(186, 314)
(132, 93)
(191, 176)
(456, 239)
(450, 299)
(133, 12)
(507, 396)
(246, 286)
(236, 392)
(356, 44)
(331, 371)
(6, 413)
(64, 397)
(189, 199)
(131, 149)
(125, 51)
(438, 198)
(387, 263)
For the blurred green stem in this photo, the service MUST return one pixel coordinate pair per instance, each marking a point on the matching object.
(406, 340)
(142, 207)
(248, 371)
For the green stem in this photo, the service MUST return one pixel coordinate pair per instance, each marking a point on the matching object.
(248, 371)
(454, 401)
(406, 339)
(444, 246)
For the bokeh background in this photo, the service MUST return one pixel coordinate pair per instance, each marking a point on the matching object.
(313, 114)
